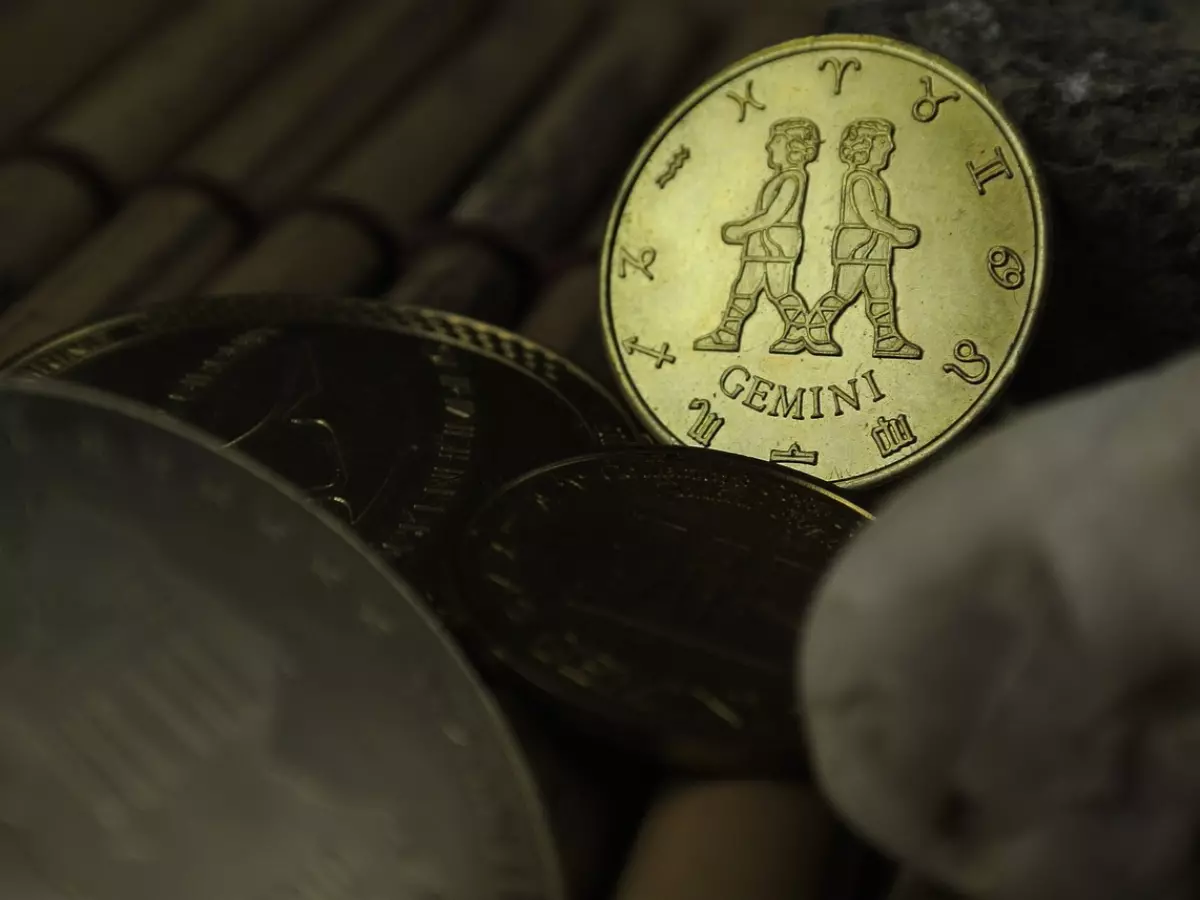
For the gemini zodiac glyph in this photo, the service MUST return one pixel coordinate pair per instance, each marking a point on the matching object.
(825, 176)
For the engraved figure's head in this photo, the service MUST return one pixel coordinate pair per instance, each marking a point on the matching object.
(868, 143)
(793, 143)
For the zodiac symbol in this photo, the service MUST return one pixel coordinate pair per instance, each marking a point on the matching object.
(839, 70)
(659, 355)
(926, 109)
(990, 171)
(1006, 267)
(893, 435)
(967, 353)
(796, 456)
(707, 424)
(745, 101)
(642, 262)
(681, 156)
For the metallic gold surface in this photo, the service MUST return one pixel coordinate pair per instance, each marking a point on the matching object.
(831, 175)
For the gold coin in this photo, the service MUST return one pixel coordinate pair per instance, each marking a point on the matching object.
(830, 256)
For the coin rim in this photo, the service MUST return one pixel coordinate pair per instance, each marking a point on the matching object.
(1036, 191)
(520, 768)
(543, 679)
(278, 310)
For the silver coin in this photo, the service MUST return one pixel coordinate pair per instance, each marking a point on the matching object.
(210, 691)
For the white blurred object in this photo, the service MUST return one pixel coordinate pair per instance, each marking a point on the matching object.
(1002, 674)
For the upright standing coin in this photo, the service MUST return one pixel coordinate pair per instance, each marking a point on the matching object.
(829, 257)
(658, 591)
(394, 420)
(209, 689)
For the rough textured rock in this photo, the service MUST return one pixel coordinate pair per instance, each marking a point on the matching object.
(1108, 96)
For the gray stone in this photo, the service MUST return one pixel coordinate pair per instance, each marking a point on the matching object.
(1108, 95)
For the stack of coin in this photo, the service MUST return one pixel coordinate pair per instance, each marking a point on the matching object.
(627, 574)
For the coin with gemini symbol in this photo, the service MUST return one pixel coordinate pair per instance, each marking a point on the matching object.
(830, 257)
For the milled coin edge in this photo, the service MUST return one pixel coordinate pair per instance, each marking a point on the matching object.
(88, 341)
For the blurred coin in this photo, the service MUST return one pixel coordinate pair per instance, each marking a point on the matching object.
(657, 592)
(830, 256)
(209, 690)
(390, 418)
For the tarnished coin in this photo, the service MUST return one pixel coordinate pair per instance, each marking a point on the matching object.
(658, 591)
(392, 419)
(209, 689)
(830, 257)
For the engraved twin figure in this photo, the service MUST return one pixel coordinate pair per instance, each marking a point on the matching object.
(864, 244)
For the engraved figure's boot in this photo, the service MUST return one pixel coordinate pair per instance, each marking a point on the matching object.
(794, 312)
(889, 342)
(820, 325)
(727, 336)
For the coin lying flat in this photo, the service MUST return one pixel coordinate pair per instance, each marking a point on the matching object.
(392, 419)
(209, 690)
(657, 591)
(830, 257)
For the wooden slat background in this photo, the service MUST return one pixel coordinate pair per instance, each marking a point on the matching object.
(459, 153)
